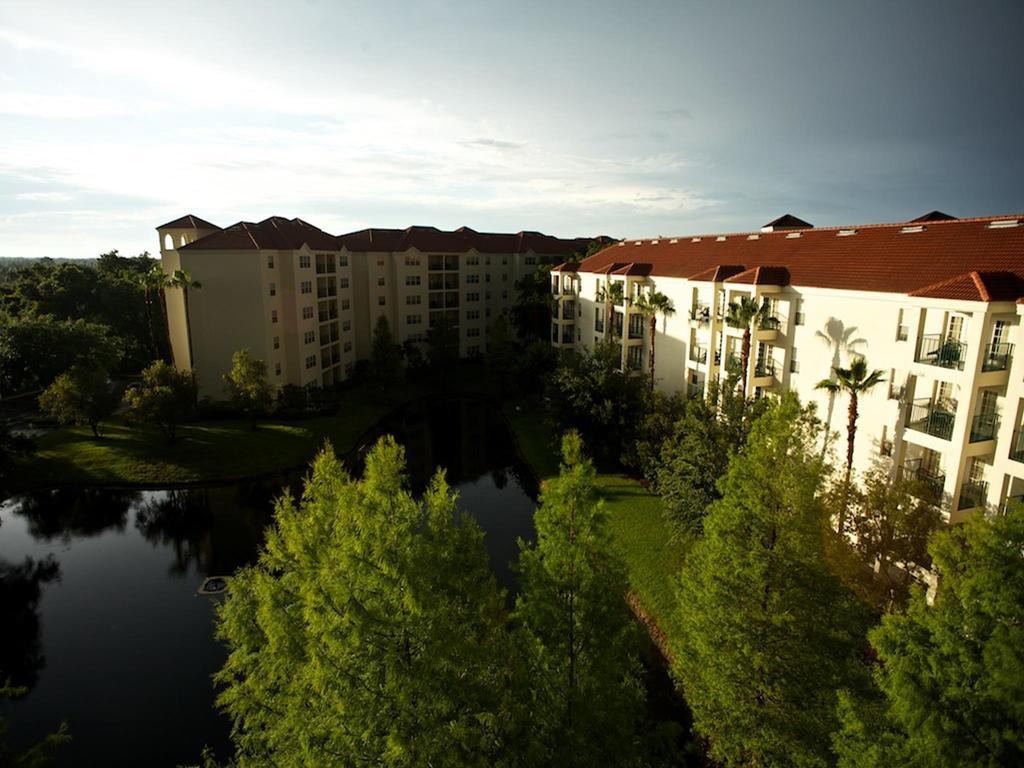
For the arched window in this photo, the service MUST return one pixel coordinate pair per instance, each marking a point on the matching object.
(168, 243)
(183, 240)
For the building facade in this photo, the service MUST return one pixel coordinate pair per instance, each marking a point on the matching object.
(935, 303)
(306, 302)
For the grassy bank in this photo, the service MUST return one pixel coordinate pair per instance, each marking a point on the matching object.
(212, 450)
(652, 555)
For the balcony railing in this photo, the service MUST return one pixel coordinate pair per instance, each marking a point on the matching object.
(929, 484)
(973, 494)
(569, 311)
(701, 313)
(636, 330)
(764, 368)
(943, 351)
(931, 419)
(698, 354)
(984, 426)
(1017, 446)
(769, 323)
(997, 357)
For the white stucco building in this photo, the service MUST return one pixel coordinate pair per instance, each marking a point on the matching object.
(935, 303)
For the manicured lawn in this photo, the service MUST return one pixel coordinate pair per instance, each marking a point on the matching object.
(653, 556)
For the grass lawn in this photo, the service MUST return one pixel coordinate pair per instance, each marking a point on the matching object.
(210, 451)
(652, 555)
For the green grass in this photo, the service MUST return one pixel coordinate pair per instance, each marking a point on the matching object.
(653, 556)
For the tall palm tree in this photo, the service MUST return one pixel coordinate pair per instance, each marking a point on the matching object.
(153, 283)
(854, 381)
(841, 339)
(742, 314)
(613, 294)
(650, 306)
(181, 278)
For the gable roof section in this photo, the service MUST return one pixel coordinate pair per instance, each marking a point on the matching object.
(275, 233)
(634, 269)
(461, 240)
(188, 221)
(976, 286)
(761, 276)
(717, 274)
(878, 257)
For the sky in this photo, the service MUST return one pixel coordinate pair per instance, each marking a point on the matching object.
(630, 119)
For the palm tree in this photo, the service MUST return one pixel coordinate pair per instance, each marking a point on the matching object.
(650, 306)
(742, 314)
(841, 339)
(613, 294)
(181, 278)
(152, 283)
(854, 381)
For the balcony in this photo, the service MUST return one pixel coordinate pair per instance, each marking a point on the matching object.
(769, 323)
(701, 314)
(984, 426)
(926, 484)
(1017, 446)
(733, 365)
(764, 369)
(636, 329)
(973, 493)
(698, 354)
(997, 357)
(942, 351)
(931, 419)
(569, 310)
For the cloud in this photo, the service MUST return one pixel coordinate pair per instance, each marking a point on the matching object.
(679, 113)
(492, 144)
(44, 196)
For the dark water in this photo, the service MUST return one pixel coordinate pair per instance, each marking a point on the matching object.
(100, 620)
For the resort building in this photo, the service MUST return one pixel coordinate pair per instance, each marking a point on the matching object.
(306, 302)
(936, 303)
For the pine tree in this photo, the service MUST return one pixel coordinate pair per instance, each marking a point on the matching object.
(578, 639)
(370, 632)
(768, 633)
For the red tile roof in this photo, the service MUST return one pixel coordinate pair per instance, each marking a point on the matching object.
(976, 286)
(878, 257)
(459, 241)
(275, 233)
(718, 273)
(761, 276)
(188, 221)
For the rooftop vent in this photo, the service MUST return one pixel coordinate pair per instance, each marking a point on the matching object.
(673, 240)
(694, 239)
(912, 229)
(784, 222)
(932, 216)
(846, 232)
(1004, 223)
(720, 239)
(655, 242)
(639, 242)
(753, 237)
(621, 242)
(790, 235)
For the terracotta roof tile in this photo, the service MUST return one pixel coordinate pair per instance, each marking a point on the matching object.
(976, 286)
(879, 257)
(188, 221)
(275, 233)
(761, 276)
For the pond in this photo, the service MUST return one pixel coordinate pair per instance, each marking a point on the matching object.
(102, 622)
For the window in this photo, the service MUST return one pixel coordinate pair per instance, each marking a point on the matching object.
(343, 261)
(307, 313)
(380, 261)
(473, 350)
(311, 362)
(902, 331)
(884, 443)
(530, 260)
(414, 319)
(306, 286)
(277, 369)
(487, 295)
(800, 318)
(412, 279)
(380, 280)
(346, 325)
(794, 364)
(273, 315)
(309, 337)
(303, 261)
(504, 294)
(273, 289)
(504, 277)
(270, 261)
(504, 261)
(411, 300)
(473, 278)
(381, 301)
(348, 346)
(472, 261)
(487, 277)
(472, 297)
(472, 314)
(472, 332)
(345, 304)
(277, 342)
(412, 261)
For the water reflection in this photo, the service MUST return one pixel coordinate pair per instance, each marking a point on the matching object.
(70, 513)
(21, 648)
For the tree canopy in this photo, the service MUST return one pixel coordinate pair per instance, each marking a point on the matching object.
(246, 385)
(166, 397)
(82, 394)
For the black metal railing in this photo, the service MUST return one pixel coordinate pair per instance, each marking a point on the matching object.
(569, 311)
(997, 357)
(764, 368)
(931, 419)
(973, 493)
(943, 351)
(769, 323)
(701, 313)
(925, 484)
(984, 426)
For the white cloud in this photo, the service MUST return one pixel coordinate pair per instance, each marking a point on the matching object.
(54, 197)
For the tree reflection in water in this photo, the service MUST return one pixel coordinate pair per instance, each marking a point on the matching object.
(21, 651)
(69, 513)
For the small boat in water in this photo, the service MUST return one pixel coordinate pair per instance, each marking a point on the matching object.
(213, 585)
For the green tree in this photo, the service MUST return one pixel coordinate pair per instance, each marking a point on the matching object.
(531, 312)
(650, 306)
(767, 633)
(613, 294)
(743, 314)
(247, 387)
(40, 754)
(182, 280)
(696, 455)
(951, 673)
(370, 632)
(659, 424)
(154, 283)
(166, 397)
(502, 353)
(579, 640)
(385, 355)
(81, 395)
(854, 381)
(36, 350)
